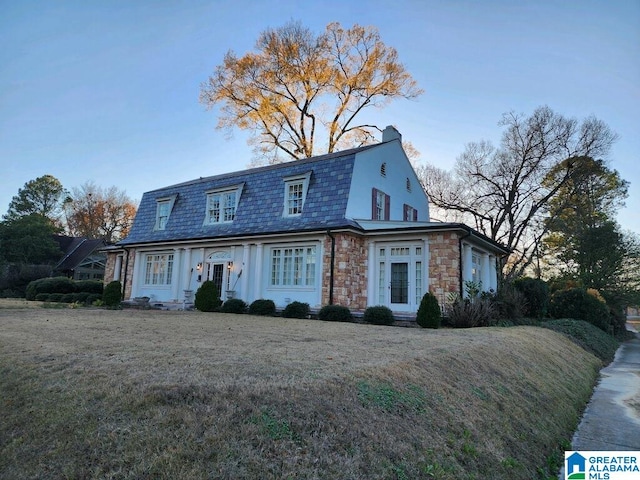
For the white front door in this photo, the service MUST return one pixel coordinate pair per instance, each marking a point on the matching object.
(400, 276)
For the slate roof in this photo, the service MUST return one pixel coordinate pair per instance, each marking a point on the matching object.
(260, 209)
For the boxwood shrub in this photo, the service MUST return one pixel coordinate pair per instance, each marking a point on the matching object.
(262, 307)
(296, 310)
(429, 314)
(234, 305)
(207, 297)
(334, 313)
(112, 295)
(378, 315)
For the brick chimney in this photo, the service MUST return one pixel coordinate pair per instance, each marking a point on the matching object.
(390, 133)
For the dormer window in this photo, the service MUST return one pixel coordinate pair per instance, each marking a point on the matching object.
(295, 193)
(222, 205)
(163, 211)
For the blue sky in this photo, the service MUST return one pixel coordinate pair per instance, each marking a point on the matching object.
(107, 91)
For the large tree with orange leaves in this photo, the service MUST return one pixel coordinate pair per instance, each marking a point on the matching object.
(96, 212)
(299, 94)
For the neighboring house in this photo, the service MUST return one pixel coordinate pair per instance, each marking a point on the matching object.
(349, 228)
(82, 258)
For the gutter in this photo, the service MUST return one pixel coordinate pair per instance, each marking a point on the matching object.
(333, 260)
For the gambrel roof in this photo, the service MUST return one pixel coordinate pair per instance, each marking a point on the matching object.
(261, 203)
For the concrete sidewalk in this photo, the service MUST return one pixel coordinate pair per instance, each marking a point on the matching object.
(611, 420)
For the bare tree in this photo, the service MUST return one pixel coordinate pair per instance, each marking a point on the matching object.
(504, 191)
(95, 212)
(297, 85)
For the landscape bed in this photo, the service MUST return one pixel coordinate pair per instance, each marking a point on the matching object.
(92, 393)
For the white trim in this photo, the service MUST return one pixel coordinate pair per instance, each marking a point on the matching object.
(290, 181)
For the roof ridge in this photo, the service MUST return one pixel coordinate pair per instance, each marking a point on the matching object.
(266, 168)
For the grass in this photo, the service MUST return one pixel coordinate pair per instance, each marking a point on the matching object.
(146, 394)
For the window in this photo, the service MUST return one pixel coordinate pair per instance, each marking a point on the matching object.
(476, 268)
(383, 169)
(163, 211)
(293, 266)
(295, 192)
(408, 185)
(159, 268)
(380, 203)
(222, 205)
(410, 214)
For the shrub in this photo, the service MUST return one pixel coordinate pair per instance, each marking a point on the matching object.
(536, 295)
(578, 304)
(49, 285)
(589, 337)
(42, 297)
(112, 295)
(68, 298)
(429, 314)
(89, 286)
(55, 297)
(334, 313)
(296, 310)
(262, 307)
(93, 298)
(378, 315)
(468, 313)
(234, 305)
(510, 303)
(82, 297)
(207, 297)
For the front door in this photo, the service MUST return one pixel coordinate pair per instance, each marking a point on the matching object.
(216, 275)
(399, 286)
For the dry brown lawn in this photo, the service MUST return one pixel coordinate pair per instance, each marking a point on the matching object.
(92, 393)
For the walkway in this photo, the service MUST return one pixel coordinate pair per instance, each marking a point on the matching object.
(611, 420)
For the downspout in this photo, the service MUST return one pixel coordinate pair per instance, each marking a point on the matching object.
(333, 260)
(461, 269)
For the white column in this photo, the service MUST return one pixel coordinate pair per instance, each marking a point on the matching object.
(175, 274)
(257, 292)
(117, 269)
(371, 274)
(244, 282)
(138, 271)
(467, 263)
(493, 273)
(187, 270)
(486, 273)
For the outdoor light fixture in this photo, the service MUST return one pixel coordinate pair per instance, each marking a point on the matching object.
(199, 266)
(230, 265)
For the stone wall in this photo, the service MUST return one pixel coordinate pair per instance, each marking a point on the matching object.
(444, 265)
(349, 274)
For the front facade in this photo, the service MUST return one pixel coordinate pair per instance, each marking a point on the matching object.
(350, 228)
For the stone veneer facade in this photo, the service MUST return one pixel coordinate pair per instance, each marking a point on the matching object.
(444, 265)
(349, 273)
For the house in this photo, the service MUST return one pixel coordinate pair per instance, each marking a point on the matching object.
(82, 258)
(349, 228)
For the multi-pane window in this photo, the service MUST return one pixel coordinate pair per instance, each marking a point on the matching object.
(159, 268)
(293, 266)
(221, 206)
(163, 211)
(162, 214)
(418, 282)
(295, 192)
(410, 214)
(295, 197)
(476, 268)
(380, 203)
